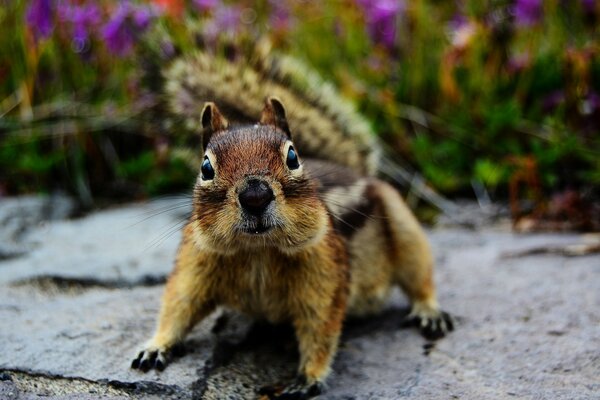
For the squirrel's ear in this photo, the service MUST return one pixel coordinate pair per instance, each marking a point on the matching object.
(212, 121)
(274, 114)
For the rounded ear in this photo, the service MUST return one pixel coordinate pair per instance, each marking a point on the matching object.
(274, 114)
(212, 121)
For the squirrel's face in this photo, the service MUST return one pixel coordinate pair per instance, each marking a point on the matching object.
(252, 192)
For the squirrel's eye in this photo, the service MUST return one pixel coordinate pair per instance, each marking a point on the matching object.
(207, 170)
(292, 159)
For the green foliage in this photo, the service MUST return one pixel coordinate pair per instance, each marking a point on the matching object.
(490, 173)
(27, 164)
(173, 176)
(439, 161)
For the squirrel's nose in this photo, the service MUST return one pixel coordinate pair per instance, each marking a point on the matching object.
(256, 197)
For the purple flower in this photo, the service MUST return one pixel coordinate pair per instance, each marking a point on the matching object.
(206, 5)
(39, 17)
(117, 33)
(460, 30)
(142, 17)
(280, 15)
(527, 12)
(225, 21)
(83, 18)
(589, 6)
(381, 18)
(590, 104)
(125, 25)
(457, 21)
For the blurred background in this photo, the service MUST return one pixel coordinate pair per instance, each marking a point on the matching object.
(496, 101)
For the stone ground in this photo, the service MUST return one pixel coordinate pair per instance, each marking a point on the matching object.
(79, 296)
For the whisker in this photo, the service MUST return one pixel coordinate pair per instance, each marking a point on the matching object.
(155, 213)
(173, 228)
(370, 216)
(344, 222)
(165, 207)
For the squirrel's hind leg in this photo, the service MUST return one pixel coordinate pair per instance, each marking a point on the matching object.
(411, 263)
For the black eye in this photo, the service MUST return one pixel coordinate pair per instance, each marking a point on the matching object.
(207, 170)
(292, 159)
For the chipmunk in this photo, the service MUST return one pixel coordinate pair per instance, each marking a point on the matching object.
(287, 238)
(289, 222)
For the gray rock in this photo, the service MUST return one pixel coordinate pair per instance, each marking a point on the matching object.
(21, 214)
(93, 336)
(26, 387)
(75, 310)
(122, 245)
(528, 328)
(8, 390)
(472, 215)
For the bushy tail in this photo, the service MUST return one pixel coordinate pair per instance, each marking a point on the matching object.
(323, 124)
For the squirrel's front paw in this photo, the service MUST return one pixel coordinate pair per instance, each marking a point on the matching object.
(151, 357)
(433, 323)
(298, 390)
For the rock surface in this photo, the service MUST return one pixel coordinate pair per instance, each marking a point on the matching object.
(81, 296)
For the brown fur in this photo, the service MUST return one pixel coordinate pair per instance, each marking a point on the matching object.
(336, 245)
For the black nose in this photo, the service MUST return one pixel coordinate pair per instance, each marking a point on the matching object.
(256, 197)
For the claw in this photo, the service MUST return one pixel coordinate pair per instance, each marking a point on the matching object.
(135, 364)
(149, 359)
(449, 320)
(432, 324)
(145, 365)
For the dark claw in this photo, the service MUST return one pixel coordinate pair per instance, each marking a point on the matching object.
(434, 328)
(449, 321)
(150, 359)
(431, 333)
(135, 364)
(145, 365)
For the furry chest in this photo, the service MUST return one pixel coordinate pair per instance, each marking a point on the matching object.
(254, 286)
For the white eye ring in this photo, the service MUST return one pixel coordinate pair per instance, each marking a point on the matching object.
(292, 161)
(208, 162)
(293, 164)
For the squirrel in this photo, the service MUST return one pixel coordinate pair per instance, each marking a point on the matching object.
(282, 236)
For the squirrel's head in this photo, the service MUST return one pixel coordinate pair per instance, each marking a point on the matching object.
(252, 190)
